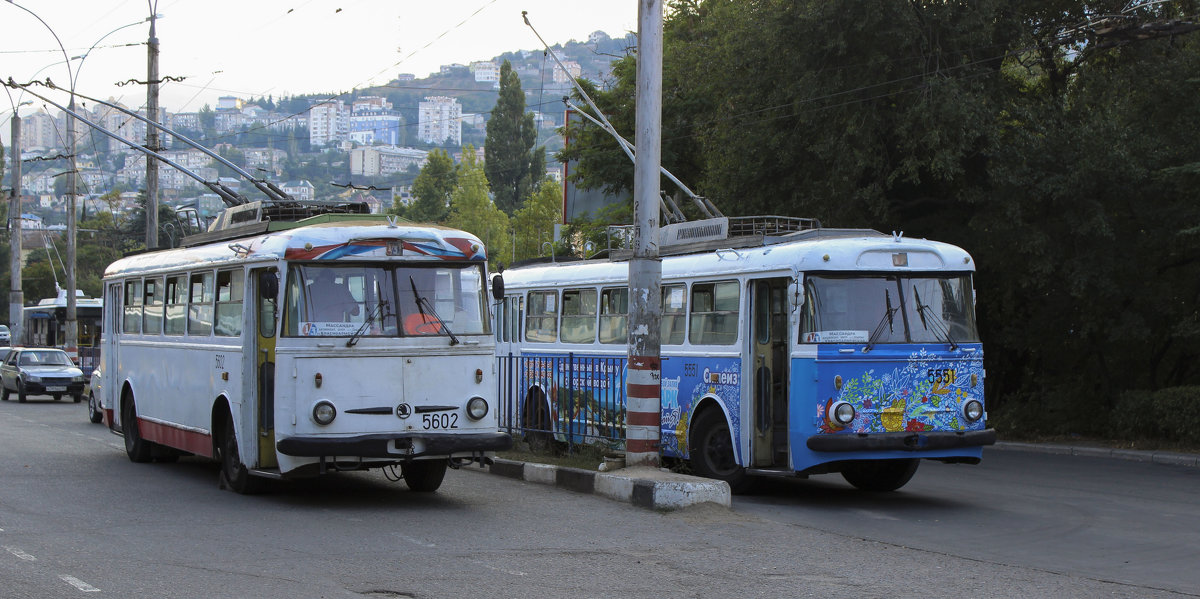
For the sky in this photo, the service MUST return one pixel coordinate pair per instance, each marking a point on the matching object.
(253, 48)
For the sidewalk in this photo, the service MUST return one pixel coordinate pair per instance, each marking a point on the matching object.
(1133, 455)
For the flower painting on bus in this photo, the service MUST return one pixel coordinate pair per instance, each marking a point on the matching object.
(685, 382)
(919, 393)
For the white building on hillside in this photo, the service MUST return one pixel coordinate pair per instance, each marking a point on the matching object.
(328, 123)
(440, 121)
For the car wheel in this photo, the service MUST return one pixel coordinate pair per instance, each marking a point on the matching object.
(56, 396)
(77, 397)
(21, 391)
(4, 393)
(94, 413)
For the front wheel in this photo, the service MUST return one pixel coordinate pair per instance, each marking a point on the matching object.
(94, 413)
(4, 392)
(880, 476)
(710, 450)
(77, 397)
(56, 396)
(233, 471)
(137, 448)
(21, 391)
(425, 476)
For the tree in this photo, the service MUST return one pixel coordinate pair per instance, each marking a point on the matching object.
(433, 188)
(474, 212)
(512, 164)
(537, 216)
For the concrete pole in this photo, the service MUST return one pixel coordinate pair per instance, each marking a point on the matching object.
(643, 406)
(16, 298)
(152, 139)
(71, 343)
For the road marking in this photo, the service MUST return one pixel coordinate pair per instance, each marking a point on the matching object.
(415, 541)
(20, 554)
(874, 514)
(498, 569)
(79, 584)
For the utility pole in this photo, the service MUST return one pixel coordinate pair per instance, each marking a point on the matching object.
(72, 323)
(152, 138)
(643, 406)
(16, 299)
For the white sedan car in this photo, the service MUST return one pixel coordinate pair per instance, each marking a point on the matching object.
(95, 408)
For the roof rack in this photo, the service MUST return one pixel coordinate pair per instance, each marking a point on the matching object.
(714, 233)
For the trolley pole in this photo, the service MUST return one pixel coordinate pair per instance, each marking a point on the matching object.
(16, 299)
(643, 405)
(152, 138)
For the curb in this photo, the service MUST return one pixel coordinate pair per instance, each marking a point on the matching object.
(1132, 455)
(644, 487)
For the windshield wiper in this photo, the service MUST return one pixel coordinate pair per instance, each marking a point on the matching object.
(934, 322)
(375, 312)
(888, 315)
(423, 305)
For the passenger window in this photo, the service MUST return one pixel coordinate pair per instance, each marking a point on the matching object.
(229, 303)
(132, 323)
(153, 308)
(674, 314)
(579, 316)
(614, 314)
(541, 325)
(714, 316)
(176, 308)
(200, 308)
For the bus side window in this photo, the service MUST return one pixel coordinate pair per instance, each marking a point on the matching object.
(518, 304)
(132, 323)
(176, 310)
(579, 316)
(153, 307)
(714, 318)
(200, 308)
(229, 303)
(674, 314)
(614, 314)
(541, 325)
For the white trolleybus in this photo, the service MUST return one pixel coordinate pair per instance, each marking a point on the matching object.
(332, 343)
(787, 349)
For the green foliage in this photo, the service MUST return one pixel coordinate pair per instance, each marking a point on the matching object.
(535, 220)
(433, 188)
(474, 212)
(1170, 415)
(512, 164)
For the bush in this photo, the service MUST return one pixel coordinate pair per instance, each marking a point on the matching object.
(1170, 415)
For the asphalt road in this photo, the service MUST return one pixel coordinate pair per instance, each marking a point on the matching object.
(77, 519)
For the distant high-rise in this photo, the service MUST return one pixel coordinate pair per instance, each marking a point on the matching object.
(440, 121)
(328, 123)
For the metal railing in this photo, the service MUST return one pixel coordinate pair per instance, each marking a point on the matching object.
(566, 400)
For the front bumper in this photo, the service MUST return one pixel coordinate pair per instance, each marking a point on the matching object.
(901, 441)
(394, 445)
(32, 388)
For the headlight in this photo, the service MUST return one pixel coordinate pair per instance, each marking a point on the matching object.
(477, 408)
(33, 378)
(972, 410)
(78, 379)
(843, 413)
(324, 412)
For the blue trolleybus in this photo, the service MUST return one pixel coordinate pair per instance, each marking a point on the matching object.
(787, 349)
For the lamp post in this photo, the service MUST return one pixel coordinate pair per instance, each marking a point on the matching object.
(16, 299)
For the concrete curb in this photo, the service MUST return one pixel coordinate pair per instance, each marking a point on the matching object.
(643, 487)
(1156, 457)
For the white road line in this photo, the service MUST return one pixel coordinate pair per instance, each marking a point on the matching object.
(415, 541)
(79, 584)
(21, 554)
(498, 569)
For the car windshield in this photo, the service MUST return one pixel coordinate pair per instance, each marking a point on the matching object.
(44, 358)
(889, 309)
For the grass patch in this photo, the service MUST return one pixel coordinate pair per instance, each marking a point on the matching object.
(584, 457)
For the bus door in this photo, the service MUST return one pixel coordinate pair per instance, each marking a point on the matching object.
(113, 318)
(769, 353)
(265, 282)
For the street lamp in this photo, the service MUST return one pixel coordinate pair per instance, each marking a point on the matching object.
(16, 300)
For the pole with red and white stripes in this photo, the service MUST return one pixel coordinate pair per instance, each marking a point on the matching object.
(643, 405)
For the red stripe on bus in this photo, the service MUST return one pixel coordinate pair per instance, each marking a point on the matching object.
(189, 441)
(647, 391)
(641, 446)
(643, 418)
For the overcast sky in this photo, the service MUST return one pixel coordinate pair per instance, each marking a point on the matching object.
(251, 48)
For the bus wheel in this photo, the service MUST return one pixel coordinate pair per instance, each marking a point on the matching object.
(710, 450)
(137, 448)
(424, 476)
(233, 471)
(879, 476)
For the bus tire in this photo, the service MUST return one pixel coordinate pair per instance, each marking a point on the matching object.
(424, 476)
(880, 476)
(234, 473)
(137, 448)
(710, 451)
(94, 413)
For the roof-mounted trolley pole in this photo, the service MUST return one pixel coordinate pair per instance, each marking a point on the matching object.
(642, 384)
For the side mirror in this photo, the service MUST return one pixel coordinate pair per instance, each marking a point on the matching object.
(498, 286)
(268, 284)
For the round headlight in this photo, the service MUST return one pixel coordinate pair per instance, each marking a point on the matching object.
(324, 412)
(843, 413)
(477, 408)
(973, 410)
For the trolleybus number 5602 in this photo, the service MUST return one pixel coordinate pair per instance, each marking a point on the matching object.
(436, 421)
